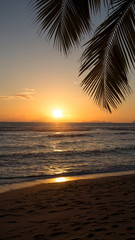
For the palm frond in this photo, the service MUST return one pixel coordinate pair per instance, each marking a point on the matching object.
(65, 21)
(110, 55)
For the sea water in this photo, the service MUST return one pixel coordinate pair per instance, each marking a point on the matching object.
(33, 151)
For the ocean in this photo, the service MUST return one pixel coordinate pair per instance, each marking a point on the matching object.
(33, 151)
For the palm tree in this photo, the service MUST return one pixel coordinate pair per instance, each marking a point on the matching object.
(109, 54)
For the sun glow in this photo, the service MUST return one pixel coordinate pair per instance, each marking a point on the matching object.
(60, 179)
(57, 113)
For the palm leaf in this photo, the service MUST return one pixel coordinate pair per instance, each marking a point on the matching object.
(109, 56)
(65, 20)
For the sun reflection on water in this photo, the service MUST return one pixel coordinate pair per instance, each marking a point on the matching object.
(60, 179)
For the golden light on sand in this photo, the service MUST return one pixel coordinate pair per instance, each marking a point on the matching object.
(57, 113)
(60, 179)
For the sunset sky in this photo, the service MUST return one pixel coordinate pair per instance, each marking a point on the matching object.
(35, 79)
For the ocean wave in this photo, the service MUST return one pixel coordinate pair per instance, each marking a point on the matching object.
(124, 133)
(121, 129)
(70, 135)
(70, 153)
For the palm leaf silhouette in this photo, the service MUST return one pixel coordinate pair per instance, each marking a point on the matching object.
(65, 20)
(109, 56)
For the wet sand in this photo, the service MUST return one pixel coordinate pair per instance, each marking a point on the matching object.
(97, 209)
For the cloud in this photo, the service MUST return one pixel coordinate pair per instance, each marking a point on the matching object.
(26, 94)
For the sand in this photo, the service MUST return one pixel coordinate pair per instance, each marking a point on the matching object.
(95, 209)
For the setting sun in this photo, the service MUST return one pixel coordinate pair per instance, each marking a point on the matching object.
(57, 113)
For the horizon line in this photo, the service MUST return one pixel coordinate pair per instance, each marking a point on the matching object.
(63, 122)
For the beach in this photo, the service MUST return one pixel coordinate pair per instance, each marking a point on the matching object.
(98, 209)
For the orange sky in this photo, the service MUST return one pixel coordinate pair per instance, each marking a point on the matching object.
(36, 79)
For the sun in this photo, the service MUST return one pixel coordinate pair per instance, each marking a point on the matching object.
(57, 113)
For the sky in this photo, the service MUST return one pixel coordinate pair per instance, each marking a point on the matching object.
(35, 79)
